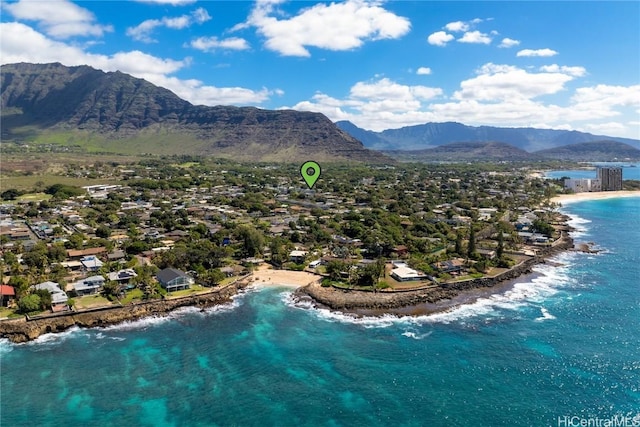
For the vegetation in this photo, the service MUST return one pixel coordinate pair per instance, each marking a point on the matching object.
(213, 218)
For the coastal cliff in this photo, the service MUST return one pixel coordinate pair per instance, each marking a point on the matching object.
(353, 299)
(23, 330)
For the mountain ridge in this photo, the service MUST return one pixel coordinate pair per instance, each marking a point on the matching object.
(53, 101)
(430, 135)
(500, 151)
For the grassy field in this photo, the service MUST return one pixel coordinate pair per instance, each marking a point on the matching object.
(33, 197)
(193, 290)
(132, 295)
(91, 301)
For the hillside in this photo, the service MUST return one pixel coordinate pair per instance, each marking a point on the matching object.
(88, 109)
(465, 151)
(434, 134)
(593, 151)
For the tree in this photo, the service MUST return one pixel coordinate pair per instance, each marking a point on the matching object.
(471, 249)
(335, 268)
(252, 240)
(212, 277)
(458, 244)
(10, 194)
(369, 275)
(36, 258)
(45, 298)
(29, 303)
(500, 250)
(103, 231)
(111, 289)
(278, 252)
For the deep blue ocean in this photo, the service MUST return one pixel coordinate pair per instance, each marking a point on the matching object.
(563, 342)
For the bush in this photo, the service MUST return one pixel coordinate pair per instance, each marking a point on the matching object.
(29, 303)
(383, 285)
(297, 267)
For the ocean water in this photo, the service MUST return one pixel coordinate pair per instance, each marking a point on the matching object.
(629, 171)
(564, 342)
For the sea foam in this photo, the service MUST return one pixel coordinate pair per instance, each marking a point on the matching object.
(550, 280)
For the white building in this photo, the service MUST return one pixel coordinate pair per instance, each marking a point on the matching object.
(582, 185)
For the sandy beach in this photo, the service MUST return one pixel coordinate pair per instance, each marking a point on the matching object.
(578, 197)
(296, 279)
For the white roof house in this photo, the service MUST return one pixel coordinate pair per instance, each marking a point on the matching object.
(406, 274)
(58, 296)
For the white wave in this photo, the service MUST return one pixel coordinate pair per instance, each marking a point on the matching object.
(383, 321)
(416, 336)
(579, 225)
(143, 323)
(545, 315)
(550, 281)
(146, 322)
(6, 346)
(223, 308)
(55, 337)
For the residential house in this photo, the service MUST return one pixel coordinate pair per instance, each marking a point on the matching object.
(173, 280)
(91, 263)
(452, 266)
(59, 299)
(7, 295)
(487, 253)
(401, 250)
(116, 255)
(403, 273)
(89, 286)
(75, 254)
(122, 276)
(297, 256)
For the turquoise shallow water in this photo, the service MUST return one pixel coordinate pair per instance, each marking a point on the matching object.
(565, 342)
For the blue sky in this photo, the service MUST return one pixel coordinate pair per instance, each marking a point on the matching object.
(563, 65)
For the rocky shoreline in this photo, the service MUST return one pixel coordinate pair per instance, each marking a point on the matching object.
(355, 300)
(27, 329)
(23, 330)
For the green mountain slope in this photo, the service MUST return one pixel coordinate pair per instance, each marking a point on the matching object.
(88, 109)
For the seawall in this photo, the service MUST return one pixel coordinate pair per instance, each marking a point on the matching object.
(354, 299)
(22, 330)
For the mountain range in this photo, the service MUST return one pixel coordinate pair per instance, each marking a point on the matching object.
(115, 112)
(431, 135)
(88, 110)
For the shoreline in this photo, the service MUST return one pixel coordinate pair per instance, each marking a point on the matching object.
(600, 195)
(306, 285)
(22, 330)
(266, 277)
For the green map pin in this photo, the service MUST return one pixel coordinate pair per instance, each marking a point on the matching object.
(310, 171)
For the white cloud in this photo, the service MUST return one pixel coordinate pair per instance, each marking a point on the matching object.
(386, 89)
(507, 42)
(209, 44)
(334, 26)
(499, 95)
(605, 128)
(423, 71)
(142, 32)
(457, 26)
(504, 82)
(21, 43)
(475, 37)
(60, 19)
(572, 71)
(440, 38)
(537, 52)
(606, 96)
